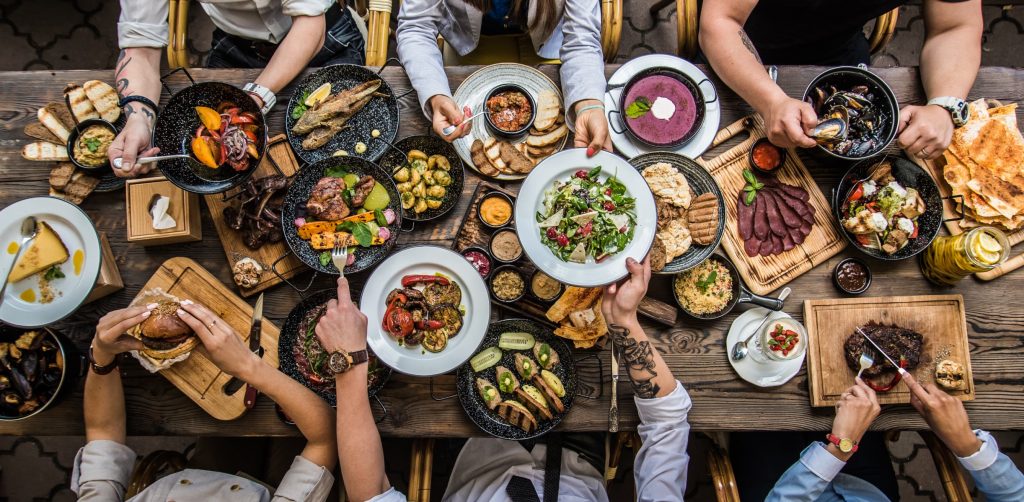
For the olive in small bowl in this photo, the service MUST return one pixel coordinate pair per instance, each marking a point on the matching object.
(508, 284)
(88, 143)
(510, 110)
(852, 276)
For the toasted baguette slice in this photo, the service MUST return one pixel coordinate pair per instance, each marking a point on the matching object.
(476, 152)
(541, 151)
(514, 159)
(553, 398)
(60, 175)
(538, 407)
(81, 107)
(103, 98)
(548, 139)
(41, 150)
(514, 413)
(51, 120)
(39, 131)
(547, 110)
(493, 153)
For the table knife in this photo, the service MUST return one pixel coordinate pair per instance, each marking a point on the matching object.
(880, 351)
(254, 345)
(613, 411)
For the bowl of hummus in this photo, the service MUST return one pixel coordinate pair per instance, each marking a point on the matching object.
(88, 143)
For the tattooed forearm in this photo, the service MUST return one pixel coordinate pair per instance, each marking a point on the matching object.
(122, 82)
(749, 45)
(639, 360)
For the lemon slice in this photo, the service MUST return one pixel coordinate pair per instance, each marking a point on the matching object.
(318, 95)
(989, 243)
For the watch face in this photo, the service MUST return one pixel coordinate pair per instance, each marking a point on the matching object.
(339, 362)
(845, 445)
(960, 113)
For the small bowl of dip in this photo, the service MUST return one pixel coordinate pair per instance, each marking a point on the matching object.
(479, 259)
(495, 210)
(852, 276)
(765, 157)
(88, 143)
(505, 246)
(507, 284)
(510, 110)
(544, 287)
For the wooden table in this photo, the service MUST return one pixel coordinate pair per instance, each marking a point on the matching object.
(694, 350)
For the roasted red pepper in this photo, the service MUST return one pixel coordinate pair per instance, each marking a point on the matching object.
(410, 280)
(895, 380)
(429, 325)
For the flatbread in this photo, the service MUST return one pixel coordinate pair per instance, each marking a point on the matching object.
(574, 298)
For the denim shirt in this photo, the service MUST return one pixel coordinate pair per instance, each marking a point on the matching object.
(816, 477)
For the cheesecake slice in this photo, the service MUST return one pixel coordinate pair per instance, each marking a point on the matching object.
(45, 251)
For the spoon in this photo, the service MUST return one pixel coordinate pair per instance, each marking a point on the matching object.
(29, 229)
(447, 131)
(145, 160)
(739, 350)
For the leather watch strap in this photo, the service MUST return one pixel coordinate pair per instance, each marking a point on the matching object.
(359, 356)
(103, 370)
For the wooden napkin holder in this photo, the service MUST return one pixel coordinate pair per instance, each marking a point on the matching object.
(184, 208)
(109, 281)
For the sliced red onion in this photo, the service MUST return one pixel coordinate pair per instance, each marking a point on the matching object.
(389, 215)
(384, 233)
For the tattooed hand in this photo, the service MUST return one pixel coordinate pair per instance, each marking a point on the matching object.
(621, 300)
(639, 359)
(133, 141)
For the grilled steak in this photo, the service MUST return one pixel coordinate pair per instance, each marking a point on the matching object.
(327, 202)
(896, 341)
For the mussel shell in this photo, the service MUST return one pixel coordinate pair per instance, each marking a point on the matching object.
(51, 377)
(5, 383)
(10, 398)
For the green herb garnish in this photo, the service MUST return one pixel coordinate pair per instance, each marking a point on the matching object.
(706, 282)
(638, 108)
(379, 216)
(92, 144)
(752, 186)
(336, 172)
(359, 230)
(53, 272)
(325, 258)
(300, 108)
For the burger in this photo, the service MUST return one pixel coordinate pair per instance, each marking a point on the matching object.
(163, 334)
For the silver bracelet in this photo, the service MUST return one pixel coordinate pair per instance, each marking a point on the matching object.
(588, 108)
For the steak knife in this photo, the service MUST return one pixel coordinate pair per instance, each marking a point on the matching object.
(880, 351)
(254, 345)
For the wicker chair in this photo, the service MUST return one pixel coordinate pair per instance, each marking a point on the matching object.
(723, 479)
(687, 22)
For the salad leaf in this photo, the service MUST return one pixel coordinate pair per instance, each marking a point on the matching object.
(706, 282)
(359, 230)
(335, 172)
(638, 108)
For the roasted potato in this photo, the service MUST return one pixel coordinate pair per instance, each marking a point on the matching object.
(438, 162)
(436, 192)
(443, 178)
(402, 175)
(415, 155)
(433, 203)
(408, 200)
(421, 205)
(420, 190)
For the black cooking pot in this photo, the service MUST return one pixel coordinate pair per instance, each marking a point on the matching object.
(846, 77)
(686, 81)
(72, 364)
(176, 126)
(740, 294)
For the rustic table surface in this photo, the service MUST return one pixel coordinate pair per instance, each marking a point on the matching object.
(694, 350)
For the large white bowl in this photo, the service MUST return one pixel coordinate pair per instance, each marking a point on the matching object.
(426, 260)
(560, 167)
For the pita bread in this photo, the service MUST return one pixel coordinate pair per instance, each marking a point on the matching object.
(573, 299)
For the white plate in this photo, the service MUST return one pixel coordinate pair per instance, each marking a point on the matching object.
(77, 231)
(474, 89)
(712, 111)
(560, 167)
(770, 374)
(426, 260)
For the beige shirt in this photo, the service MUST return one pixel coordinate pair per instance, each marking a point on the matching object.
(102, 470)
(143, 23)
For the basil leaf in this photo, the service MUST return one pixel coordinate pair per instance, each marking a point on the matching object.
(638, 108)
(748, 176)
(750, 198)
(300, 107)
(379, 216)
(706, 282)
(362, 234)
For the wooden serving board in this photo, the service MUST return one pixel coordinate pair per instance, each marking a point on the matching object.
(940, 318)
(278, 160)
(473, 233)
(197, 377)
(764, 274)
(935, 168)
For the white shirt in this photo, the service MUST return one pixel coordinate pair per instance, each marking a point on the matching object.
(143, 23)
(486, 465)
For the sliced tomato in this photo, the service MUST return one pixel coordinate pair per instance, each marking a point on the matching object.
(913, 235)
(209, 117)
(249, 134)
(864, 239)
(208, 152)
(857, 192)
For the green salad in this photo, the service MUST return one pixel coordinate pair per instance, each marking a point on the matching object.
(585, 217)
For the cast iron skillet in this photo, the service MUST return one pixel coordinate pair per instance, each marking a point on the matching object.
(290, 336)
(700, 182)
(176, 126)
(740, 294)
(488, 420)
(909, 175)
(295, 205)
(845, 77)
(430, 145)
(691, 86)
(380, 113)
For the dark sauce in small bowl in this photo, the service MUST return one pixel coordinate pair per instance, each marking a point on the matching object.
(852, 276)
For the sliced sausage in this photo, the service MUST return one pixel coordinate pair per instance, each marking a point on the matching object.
(751, 246)
(787, 242)
(774, 216)
(745, 217)
(766, 248)
(795, 191)
(760, 219)
(789, 216)
(777, 244)
(797, 235)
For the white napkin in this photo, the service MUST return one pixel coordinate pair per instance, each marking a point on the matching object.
(162, 220)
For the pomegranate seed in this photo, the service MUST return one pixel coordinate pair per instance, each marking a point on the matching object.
(581, 174)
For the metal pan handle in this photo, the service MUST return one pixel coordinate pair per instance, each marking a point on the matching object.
(714, 91)
(385, 408)
(172, 72)
(301, 292)
(958, 207)
(611, 122)
(398, 63)
(761, 301)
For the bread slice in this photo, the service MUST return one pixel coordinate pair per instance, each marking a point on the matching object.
(39, 131)
(104, 99)
(80, 186)
(537, 407)
(492, 148)
(60, 175)
(52, 117)
(515, 159)
(553, 398)
(548, 139)
(80, 105)
(514, 413)
(547, 110)
(42, 150)
(574, 298)
(540, 152)
(476, 152)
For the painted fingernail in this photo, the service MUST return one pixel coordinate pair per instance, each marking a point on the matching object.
(180, 312)
(146, 313)
(186, 302)
(152, 306)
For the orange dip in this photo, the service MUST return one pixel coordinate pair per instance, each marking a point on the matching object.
(495, 211)
(12, 248)
(29, 295)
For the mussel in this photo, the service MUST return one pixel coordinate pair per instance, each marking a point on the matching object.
(850, 122)
(10, 399)
(829, 131)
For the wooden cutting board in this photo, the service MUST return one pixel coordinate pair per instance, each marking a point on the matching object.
(940, 318)
(935, 168)
(764, 274)
(278, 160)
(197, 377)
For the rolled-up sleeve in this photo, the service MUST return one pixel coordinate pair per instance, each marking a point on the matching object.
(292, 8)
(993, 472)
(419, 22)
(582, 69)
(101, 471)
(661, 462)
(305, 481)
(143, 23)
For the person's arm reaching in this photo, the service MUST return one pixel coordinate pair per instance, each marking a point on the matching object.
(993, 472)
(949, 63)
(735, 60)
(136, 73)
(582, 64)
(661, 401)
(293, 54)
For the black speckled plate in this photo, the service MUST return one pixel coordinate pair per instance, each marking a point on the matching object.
(430, 145)
(909, 175)
(295, 203)
(289, 337)
(489, 421)
(700, 182)
(176, 126)
(380, 113)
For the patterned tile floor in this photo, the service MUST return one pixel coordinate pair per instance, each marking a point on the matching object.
(38, 468)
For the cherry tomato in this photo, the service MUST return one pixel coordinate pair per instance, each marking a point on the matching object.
(609, 205)
(581, 174)
(552, 233)
(562, 240)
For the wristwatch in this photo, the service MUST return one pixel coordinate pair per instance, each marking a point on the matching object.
(956, 107)
(845, 445)
(266, 95)
(103, 370)
(342, 361)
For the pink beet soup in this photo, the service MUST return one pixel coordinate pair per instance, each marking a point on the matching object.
(660, 131)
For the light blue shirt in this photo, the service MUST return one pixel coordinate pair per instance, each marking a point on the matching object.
(816, 477)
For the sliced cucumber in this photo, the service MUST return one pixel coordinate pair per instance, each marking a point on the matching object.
(485, 359)
(516, 341)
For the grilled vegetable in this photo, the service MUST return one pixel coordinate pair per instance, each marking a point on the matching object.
(327, 240)
(554, 382)
(515, 341)
(485, 359)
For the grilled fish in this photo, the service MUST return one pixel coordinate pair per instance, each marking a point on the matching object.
(343, 104)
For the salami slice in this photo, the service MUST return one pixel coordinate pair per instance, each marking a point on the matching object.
(751, 246)
(760, 219)
(766, 248)
(789, 216)
(745, 217)
(787, 242)
(775, 222)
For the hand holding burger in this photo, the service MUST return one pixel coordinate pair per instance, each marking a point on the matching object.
(111, 338)
(225, 347)
(163, 334)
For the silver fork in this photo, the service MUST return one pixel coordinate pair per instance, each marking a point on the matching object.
(339, 256)
(865, 363)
